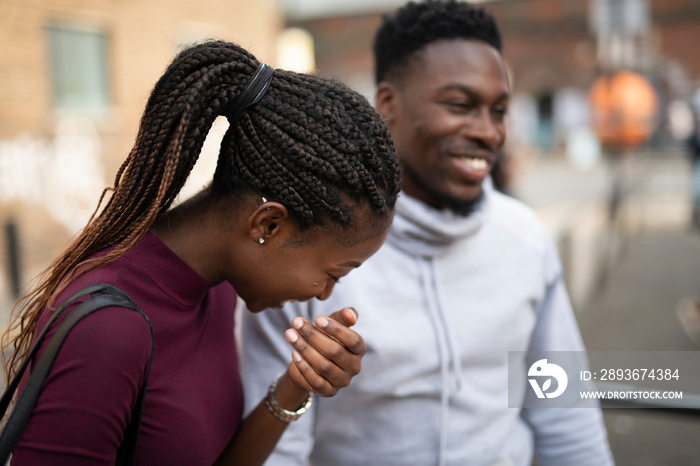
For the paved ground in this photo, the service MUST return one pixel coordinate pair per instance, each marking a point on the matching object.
(658, 262)
(636, 311)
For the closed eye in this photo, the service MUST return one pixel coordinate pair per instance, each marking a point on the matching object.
(500, 110)
(458, 106)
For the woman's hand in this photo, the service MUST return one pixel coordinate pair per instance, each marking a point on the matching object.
(328, 354)
(326, 357)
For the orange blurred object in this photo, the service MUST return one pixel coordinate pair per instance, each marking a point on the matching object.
(624, 109)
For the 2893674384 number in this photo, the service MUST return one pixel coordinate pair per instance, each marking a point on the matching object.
(638, 374)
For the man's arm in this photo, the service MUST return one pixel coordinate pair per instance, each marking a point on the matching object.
(563, 436)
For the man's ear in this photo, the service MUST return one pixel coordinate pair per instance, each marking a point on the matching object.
(267, 221)
(387, 101)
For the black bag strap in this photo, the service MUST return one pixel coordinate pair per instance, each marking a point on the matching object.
(12, 386)
(105, 295)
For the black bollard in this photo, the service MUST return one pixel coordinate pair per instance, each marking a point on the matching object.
(13, 256)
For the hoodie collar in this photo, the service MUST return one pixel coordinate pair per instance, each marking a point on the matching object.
(421, 230)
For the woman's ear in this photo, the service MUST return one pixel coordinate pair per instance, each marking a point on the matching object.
(266, 221)
(387, 101)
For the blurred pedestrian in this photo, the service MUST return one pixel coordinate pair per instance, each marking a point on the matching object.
(688, 313)
(694, 155)
(688, 307)
(502, 174)
(466, 275)
(303, 193)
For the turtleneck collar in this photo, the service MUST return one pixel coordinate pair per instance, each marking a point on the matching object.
(168, 271)
(421, 230)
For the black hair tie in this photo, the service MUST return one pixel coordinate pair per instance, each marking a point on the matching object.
(254, 91)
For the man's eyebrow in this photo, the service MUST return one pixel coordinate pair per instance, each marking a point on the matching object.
(470, 91)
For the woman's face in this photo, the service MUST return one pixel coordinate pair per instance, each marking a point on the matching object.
(287, 269)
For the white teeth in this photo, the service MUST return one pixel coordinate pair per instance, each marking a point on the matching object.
(475, 164)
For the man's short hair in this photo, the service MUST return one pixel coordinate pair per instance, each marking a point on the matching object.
(416, 25)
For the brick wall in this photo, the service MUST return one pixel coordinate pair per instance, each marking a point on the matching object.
(142, 37)
(547, 43)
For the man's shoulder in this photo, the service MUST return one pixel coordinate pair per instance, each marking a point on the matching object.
(517, 218)
(508, 205)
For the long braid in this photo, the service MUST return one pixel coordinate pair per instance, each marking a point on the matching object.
(308, 143)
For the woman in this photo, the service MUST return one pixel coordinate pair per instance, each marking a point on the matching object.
(303, 192)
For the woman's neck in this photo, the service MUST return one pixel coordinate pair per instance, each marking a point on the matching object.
(191, 231)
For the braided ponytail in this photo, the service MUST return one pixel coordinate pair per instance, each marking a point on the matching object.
(312, 144)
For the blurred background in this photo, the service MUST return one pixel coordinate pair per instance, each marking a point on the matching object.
(606, 95)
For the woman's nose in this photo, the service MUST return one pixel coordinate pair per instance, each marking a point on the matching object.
(327, 291)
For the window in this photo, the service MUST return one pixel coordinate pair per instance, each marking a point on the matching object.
(79, 77)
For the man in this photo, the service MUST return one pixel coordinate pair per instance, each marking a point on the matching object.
(466, 275)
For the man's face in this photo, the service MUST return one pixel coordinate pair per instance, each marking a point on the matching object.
(446, 116)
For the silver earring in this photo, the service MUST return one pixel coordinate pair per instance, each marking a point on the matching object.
(261, 240)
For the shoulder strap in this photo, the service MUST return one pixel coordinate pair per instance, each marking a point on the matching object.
(105, 295)
(12, 385)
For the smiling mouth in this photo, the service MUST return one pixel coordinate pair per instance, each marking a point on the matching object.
(474, 163)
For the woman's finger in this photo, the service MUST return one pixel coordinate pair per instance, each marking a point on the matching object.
(347, 316)
(317, 383)
(335, 343)
(343, 334)
(324, 362)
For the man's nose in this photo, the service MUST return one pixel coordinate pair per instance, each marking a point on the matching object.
(483, 127)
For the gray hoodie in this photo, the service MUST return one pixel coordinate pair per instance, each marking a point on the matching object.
(441, 305)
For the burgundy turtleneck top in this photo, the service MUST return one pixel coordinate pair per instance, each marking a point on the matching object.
(194, 400)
